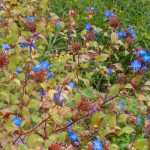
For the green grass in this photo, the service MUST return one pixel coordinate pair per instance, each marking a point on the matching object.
(130, 12)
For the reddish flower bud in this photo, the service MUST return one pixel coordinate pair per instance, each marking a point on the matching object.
(114, 22)
(54, 147)
(84, 105)
(3, 60)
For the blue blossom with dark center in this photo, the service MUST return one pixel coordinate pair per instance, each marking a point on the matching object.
(73, 137)
(110, 71)
(132, 32)
(146, 58)
(43, 65)
(57, 98)
(18, 70)
(108, 13)
(6, 47)
(97, 144)
(136, 65)
(72, 85)
(17, 121)
(88, 26)
(31, 18)
(121, 34)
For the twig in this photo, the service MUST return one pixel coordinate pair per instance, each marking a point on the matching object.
(65, 127)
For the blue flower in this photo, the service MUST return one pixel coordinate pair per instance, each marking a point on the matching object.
(121, 105)
(29, 45)
(142, 53)
(108, 13)
(18, 70)
(146, 58)
(42, 92)
(132, 32)
(49, 75)
(138, 120)
(30, 18)
(23, 45)
(72, 85)
(97, 144)
(136, 65)
(121, 34)
(43, 65)
(110, 71)
(57, 98)
(69, 124)
(73, 137)
(6, 47)
(17, 121)
(88, 26)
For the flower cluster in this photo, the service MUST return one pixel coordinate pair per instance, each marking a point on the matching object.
(142, 60)
(41, 71)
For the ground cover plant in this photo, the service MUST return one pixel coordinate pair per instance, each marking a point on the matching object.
(74, 74)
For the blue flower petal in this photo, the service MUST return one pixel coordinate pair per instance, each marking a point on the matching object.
(121, 34)
(146, 59)
(6, 47)
(18, 70)
(136, 65)
(72, 85)
(88, 26)
(97, 144)
(142, 53)
(17, 121)
(31, 18)
(73, 137)
(108, 13)
(110, 71)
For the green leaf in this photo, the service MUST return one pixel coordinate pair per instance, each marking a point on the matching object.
(102, 57)
(96, 119)
(34, 140)
(127, 130)
(89, 93)
(114, 90)
(22, 147)
(114, 147)
(141, 144)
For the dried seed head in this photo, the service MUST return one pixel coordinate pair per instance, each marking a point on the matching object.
(38, 76)
(3, 60)
(129, 40)
(54, 147)
(75, 47)
(72, 13)
(90, 35)
(114, 22)
(30, 26)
